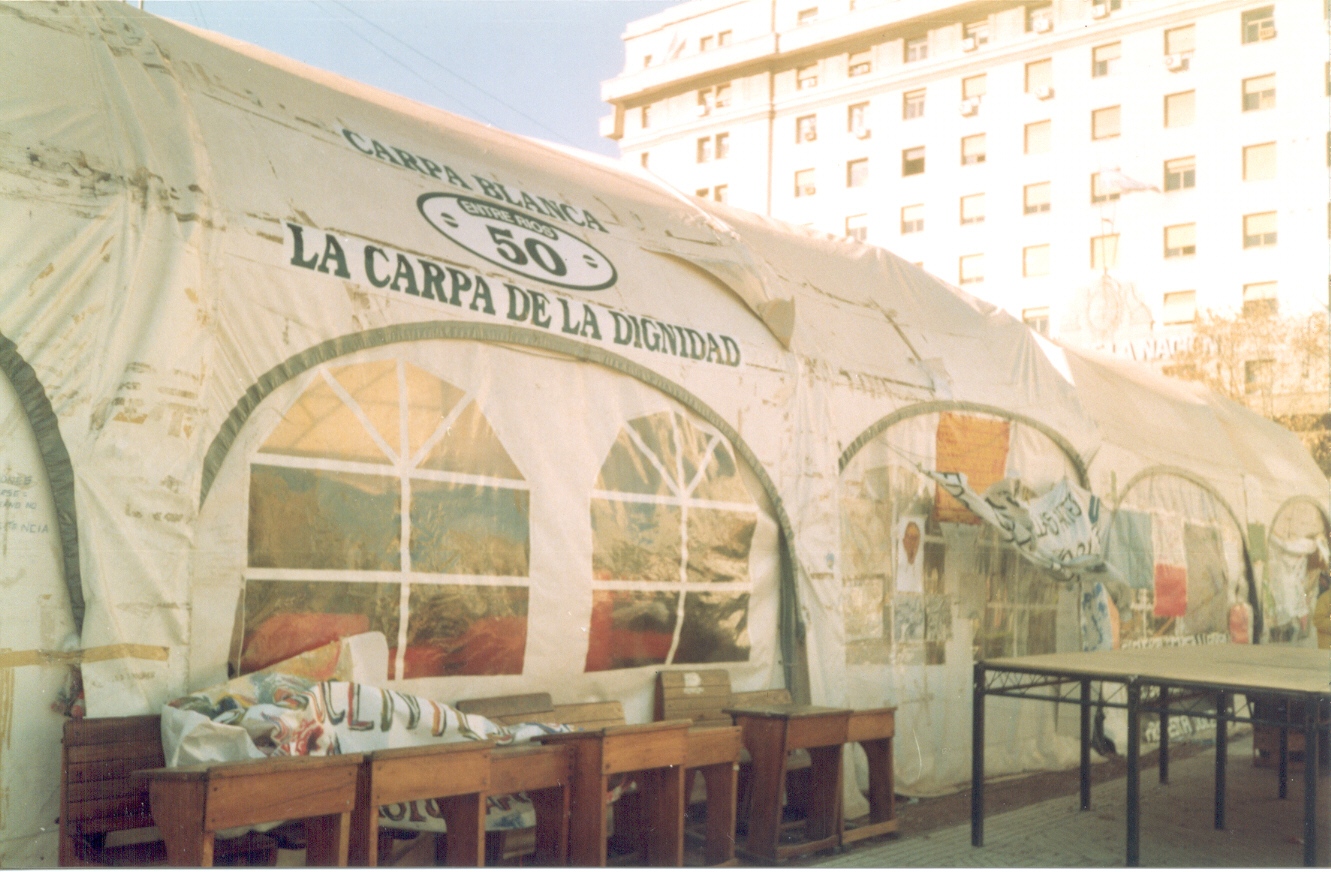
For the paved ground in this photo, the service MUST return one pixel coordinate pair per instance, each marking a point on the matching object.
(1177, 825)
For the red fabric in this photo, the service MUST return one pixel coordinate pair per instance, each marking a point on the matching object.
(1171, 591)
(489, 646)
(291, 633)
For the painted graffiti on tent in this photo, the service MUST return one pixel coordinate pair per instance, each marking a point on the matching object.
(332, 552)
(672, 527)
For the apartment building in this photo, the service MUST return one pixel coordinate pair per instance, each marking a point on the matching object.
(1102, 169)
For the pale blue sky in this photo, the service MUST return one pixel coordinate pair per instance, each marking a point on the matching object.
(528, 66)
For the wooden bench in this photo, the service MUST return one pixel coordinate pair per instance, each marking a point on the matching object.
(98, 797)
(456, 775)
(192, 803)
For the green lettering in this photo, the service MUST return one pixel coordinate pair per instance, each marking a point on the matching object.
(370, 252)
(432, 281)
(483, 293)
(516, 294)
(404, 270)
(538, 301)
(298, 248)
(333, 250)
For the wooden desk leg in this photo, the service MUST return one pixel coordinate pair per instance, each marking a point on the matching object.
(363, 843)
(766, 740)
(882, 791)
(663, 802)
(552, 809)
(721, 780)
(327, 840)
(824, 792)
(177, 808)
(464, 843)
(586, 821)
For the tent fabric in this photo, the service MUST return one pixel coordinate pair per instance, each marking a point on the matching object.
(324, 360)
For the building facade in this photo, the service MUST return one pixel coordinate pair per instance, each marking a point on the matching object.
(1103, 170)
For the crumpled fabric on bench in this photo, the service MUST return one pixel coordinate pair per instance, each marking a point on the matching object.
(275, 714)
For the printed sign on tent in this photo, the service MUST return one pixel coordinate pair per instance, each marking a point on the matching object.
(975, 447)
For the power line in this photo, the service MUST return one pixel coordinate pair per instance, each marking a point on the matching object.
(430, 60)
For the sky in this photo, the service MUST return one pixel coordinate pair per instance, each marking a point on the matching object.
(532, 67)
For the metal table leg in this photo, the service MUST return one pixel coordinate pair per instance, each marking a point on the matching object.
(1312, 708)
(977, 757)
(1164, 734)
(1085, 744)
(1134, 779)
(1221, 755)
(1283, 709)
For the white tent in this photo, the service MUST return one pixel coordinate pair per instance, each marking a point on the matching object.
(287, 358)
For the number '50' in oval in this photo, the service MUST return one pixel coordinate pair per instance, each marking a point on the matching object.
(518, 242)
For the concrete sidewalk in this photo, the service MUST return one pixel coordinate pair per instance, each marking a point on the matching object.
(1176, 825)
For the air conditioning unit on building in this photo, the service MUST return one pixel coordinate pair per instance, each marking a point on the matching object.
(1100, 10)
(968, 44)
(809, 135)
(808, 191)
(862, 132)
(1176, 63)
(970, 105)
(1043, 25)
(1044, 93)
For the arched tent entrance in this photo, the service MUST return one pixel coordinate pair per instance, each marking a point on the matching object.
(1296, 551)
(1182, 551)
(927, 588)
(509, 516)
(39, 639)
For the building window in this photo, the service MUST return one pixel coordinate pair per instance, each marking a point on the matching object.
(1037, 319)
(1259, 299)
(856, 119)
(1259, 93)
(723, 38)
(806, 128)
(1104, 251)
(806, 16)
(1259, 24)
(912, 161)
(1180, 307)
(857, 173)
(1040, 77)
(1101, 192)
(972, 149)
(977, 32)
(1179, 45)
(1259, 162)
(705, 43)
(1259, 230)
(1105, 123)
(646, 61)
(917, 49)
(974, 87)
(713, 98)
(1180, 108)
(972, 209)
(857, 227)
(1039, 137)
(721, 193)
(970, 269)
(912, 218)
(1180, 240)
(912, 104)
(705, 150)
(806, 77)
(1035, 261)
(804, 183)
(1040, 19)
(1180, 173)
(722, 146)
(702, 193)
(646, 117)
(1104, 58)
(1258, 375)
(642, 159)
(1036, 198)
(713, 147)
(860, 63)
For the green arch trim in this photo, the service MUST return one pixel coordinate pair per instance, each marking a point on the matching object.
(1254, 601)
(55, 457)
(1294, 500)
(878, 427)
(790, 627)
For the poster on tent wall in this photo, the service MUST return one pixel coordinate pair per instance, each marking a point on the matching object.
(413, 492)
(35, 625)
(926, 591)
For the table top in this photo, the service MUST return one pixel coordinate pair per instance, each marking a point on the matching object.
(1240, 668)
(788, 711)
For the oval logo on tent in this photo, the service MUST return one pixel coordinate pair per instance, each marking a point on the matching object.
(518, 242)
